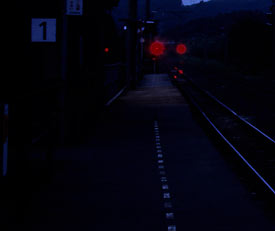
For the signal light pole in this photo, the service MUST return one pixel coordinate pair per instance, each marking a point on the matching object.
(156, 49)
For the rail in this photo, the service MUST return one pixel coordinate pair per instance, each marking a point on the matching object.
(264, 143)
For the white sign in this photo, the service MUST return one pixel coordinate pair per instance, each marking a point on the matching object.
(43, 30)
(74, 7)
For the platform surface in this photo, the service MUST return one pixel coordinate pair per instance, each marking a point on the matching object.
(148, 167)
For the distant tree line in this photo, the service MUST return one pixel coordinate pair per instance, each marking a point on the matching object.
(240, 38)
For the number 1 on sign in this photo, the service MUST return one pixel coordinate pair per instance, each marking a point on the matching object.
(43, 30)
(44, 25)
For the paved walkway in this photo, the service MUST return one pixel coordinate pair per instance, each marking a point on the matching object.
(148, 167)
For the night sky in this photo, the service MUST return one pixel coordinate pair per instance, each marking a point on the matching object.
(191, 2)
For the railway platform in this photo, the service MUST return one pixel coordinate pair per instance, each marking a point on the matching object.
(147, 167)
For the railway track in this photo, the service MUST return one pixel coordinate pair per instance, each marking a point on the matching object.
(254, 148)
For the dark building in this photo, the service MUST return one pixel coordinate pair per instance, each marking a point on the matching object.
(61, 64)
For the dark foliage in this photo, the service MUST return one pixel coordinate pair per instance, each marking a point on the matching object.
(250, 44)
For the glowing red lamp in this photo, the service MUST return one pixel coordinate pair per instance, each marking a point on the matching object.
(181, 49)
(180, 72)
(157, 48)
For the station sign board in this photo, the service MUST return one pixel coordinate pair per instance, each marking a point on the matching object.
(74, 7)
(43, 30)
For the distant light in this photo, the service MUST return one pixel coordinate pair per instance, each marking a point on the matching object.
(125, 28)
(175, 77)
(181, 72)
(106, 50)
(150, 22)
(157, 48)
(175, 68)
(181, 49)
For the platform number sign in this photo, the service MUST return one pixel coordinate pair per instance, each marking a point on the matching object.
(74, 7)
(43, 30)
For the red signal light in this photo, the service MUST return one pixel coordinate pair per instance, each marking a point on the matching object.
(106, 50)
(175, 77)
(180, 72)
(157, 48)
(181, 49)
